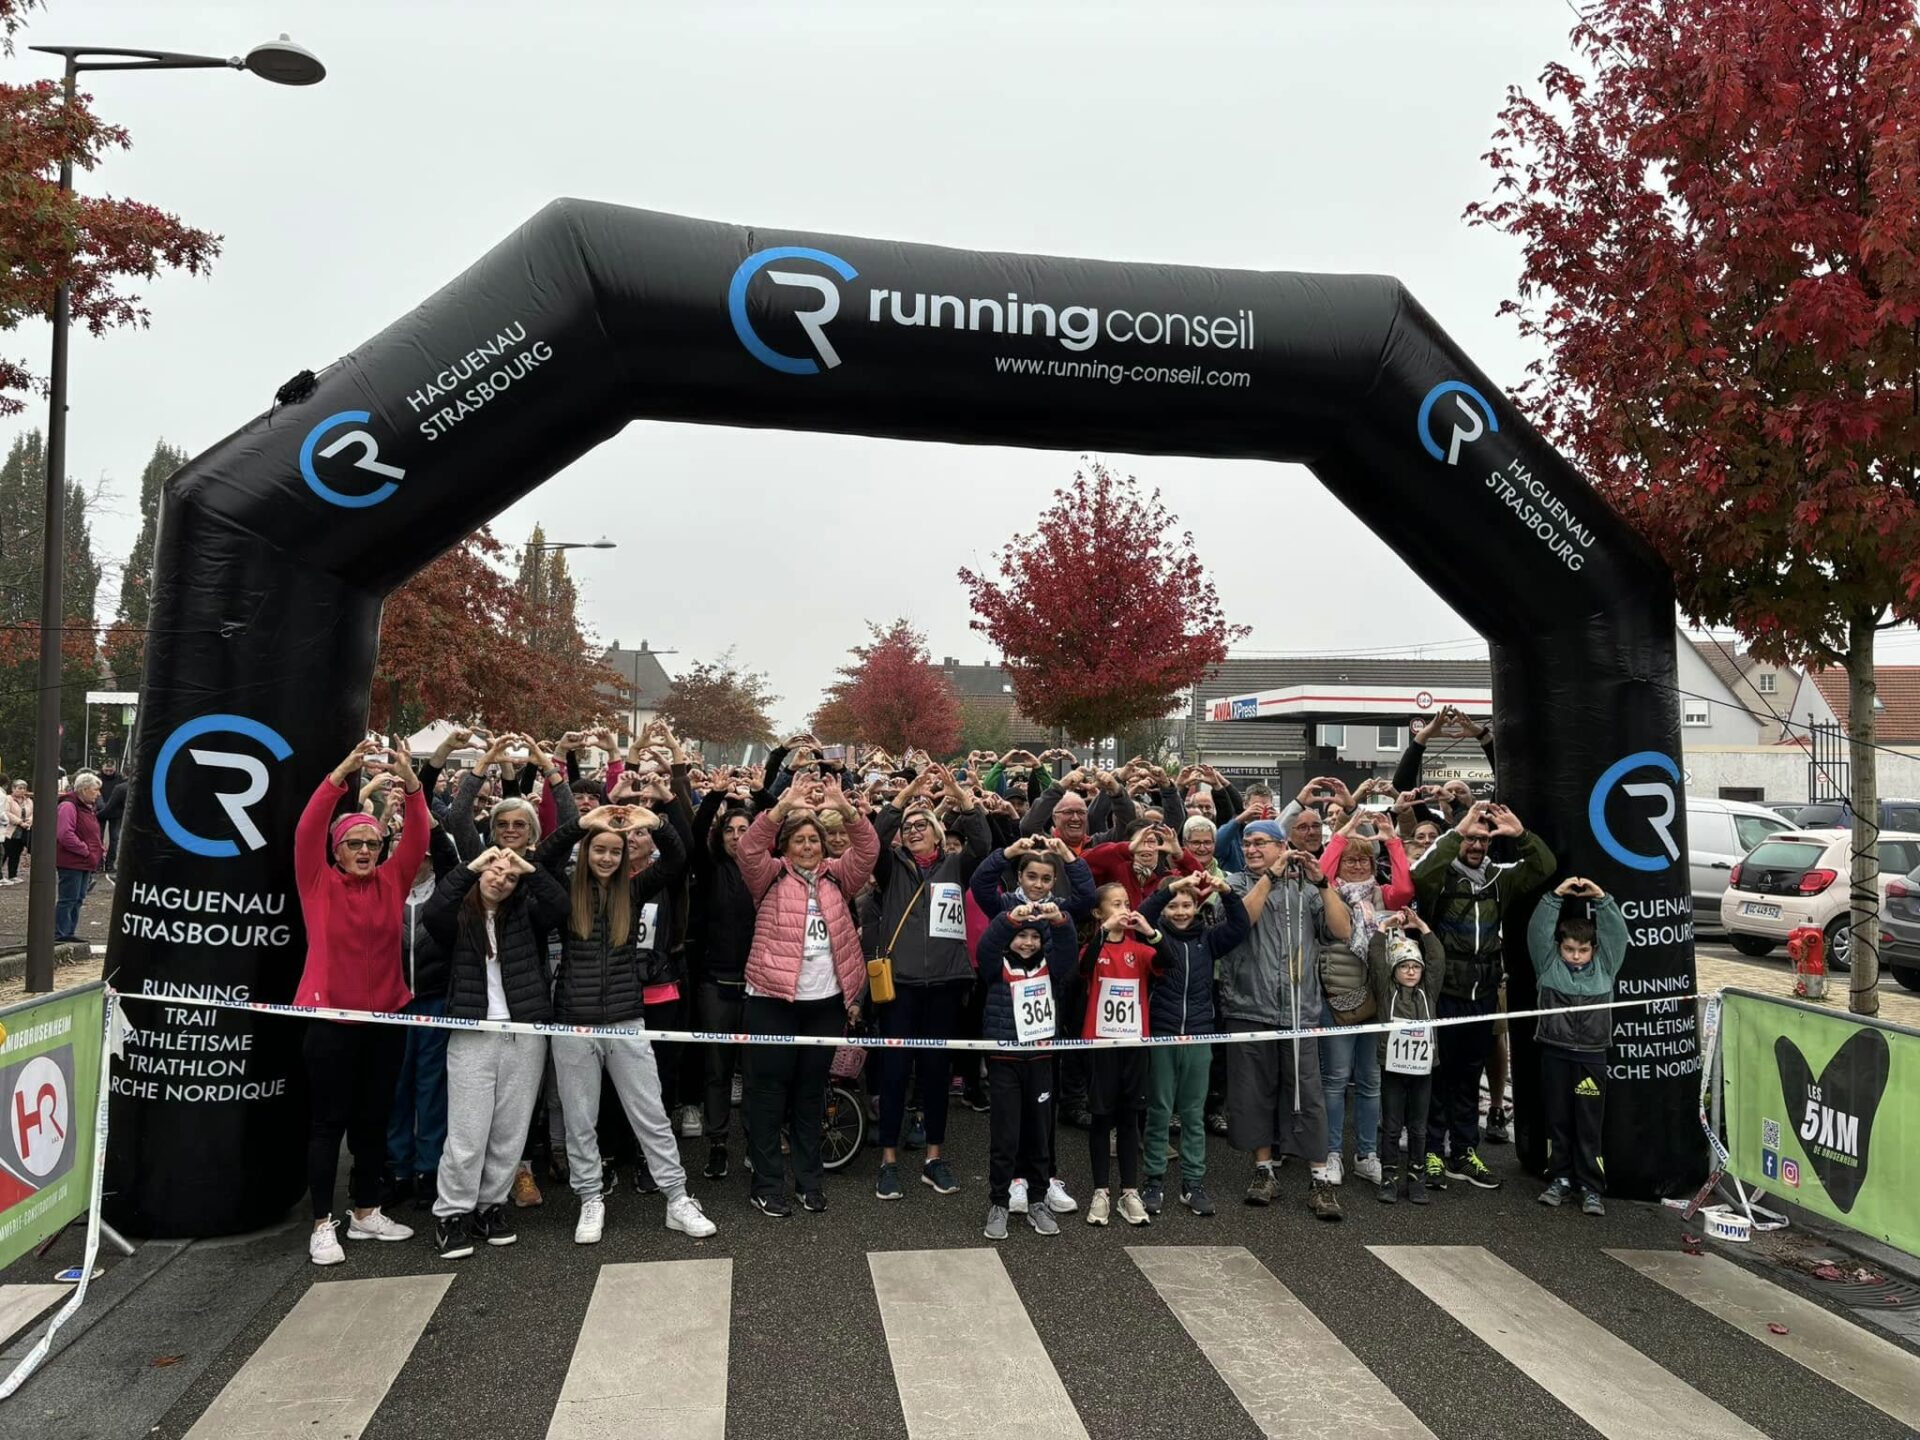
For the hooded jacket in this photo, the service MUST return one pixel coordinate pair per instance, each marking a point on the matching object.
(780, 922)
(908, 897)
(1180, 999)
(1466, 913)
(1059, 960)
(538, 903)
(598, 982)
(1394, 1001)
(1560, 984)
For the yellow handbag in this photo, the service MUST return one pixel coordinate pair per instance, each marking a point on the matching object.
(880, 968)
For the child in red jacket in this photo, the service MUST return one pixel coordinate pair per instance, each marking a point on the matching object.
(1117, 965)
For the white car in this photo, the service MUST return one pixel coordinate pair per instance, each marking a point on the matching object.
(1799, 877)
(1719, 833)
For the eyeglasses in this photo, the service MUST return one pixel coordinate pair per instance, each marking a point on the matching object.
(359, 844)
(914, 825)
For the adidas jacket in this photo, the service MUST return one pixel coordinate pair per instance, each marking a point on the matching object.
(1559, 985)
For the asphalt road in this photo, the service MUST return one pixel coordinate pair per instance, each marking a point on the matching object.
(810, 1357)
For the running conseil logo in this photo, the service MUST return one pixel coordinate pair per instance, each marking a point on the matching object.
(1469, 416)
(235, 804)
(1657, 818)
(364, 449)
(824, 291)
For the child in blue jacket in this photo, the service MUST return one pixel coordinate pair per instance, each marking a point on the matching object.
(1180, 1002)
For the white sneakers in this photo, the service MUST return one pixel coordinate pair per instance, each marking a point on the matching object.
(1333, 1172)
(693, 1122)
(593, 1220)
(1098, 1208)
(1367, 1167)
(685, 1215)
(1058, 1200)
(376, 1226)
(323, 1246)
(1133, 1209)
(1017, 1198)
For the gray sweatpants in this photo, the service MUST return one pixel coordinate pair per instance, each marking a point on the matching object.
(577, 1063)
(492, 1084)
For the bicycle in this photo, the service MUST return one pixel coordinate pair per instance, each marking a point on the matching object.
(844, 1125)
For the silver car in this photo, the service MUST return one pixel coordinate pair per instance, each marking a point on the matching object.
(1719, 834)
(1900, 931)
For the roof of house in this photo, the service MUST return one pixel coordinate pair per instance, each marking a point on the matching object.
(643, 671)
(978, 682)
(1727, 661)
(1898, 720)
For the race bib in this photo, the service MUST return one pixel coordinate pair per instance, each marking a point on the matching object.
(947, 919)
(818, 941)
(1410, 1051)
(1118, 1015)
(1032, 1009)
(649, 936)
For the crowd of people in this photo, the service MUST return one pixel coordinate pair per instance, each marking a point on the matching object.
(85, 835)
(1015, 897)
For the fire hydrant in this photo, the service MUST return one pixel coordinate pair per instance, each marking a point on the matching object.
(1807, 949)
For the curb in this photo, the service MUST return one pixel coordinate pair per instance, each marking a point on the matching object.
(13, 965)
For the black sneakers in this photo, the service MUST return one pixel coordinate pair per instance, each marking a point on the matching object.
(774, 1207)
(453, 1236)
(716, 1161)
(495, 1227)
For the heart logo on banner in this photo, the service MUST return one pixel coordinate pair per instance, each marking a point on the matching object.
(1833, 1116)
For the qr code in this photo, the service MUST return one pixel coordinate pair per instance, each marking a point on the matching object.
(1770, 1134)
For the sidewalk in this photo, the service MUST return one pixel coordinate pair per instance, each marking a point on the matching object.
(95, 914)
(1773, 976)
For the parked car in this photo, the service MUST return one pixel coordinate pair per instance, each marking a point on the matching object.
(1838, 815)
(1799, 877)
(1900, 927)
(1719, 833)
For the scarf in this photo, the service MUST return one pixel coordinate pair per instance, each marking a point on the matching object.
(1363, 899)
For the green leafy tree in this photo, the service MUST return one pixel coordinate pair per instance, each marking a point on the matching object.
(126, 639)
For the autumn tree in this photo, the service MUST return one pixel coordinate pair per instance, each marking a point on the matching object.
(984, 725)
(1102, 609)
(125, 642)
(721, 704)
(457, 640)
(1719, 207)
(893, 695)
(95, 243)
(22, 543)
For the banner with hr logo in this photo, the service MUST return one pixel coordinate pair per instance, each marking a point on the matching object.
(1823, 1109)
(49, 1085)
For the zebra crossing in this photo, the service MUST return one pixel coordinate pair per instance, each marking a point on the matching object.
(653, 1357)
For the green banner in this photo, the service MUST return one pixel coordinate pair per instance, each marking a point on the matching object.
(1823, 1110)
(50, 1086)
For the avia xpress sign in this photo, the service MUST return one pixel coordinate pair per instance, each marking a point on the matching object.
(793, 306)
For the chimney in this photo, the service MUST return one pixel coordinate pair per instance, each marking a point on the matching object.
(643, 647)
(949, 662)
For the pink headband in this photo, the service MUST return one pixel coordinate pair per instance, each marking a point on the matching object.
(346, 823)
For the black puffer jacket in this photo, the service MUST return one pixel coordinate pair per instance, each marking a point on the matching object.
(722, 912)
(600, 983)
(908, 896)
(537, 903)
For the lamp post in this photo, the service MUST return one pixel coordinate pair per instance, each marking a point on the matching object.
(536, 547)
(284, 63)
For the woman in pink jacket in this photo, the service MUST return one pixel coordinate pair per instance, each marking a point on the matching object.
(805, 976)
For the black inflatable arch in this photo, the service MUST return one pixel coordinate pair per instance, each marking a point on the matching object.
(277, 546)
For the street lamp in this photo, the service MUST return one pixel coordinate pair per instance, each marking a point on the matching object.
(284, 63)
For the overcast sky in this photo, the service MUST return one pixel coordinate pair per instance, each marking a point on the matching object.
(1276, 134)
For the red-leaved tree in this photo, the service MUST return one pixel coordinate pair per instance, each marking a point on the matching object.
(892, 694)
(93, 242)
(458, 640)
(1720, 209)
(721, 704)
(1102, 610)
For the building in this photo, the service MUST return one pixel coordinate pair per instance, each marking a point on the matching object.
(1897, 705)
(1764, 690)
(986, 688)
(647, 687)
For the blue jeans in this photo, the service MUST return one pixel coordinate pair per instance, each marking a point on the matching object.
(1355, 1058)
(417, 1125)
(74, 885)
